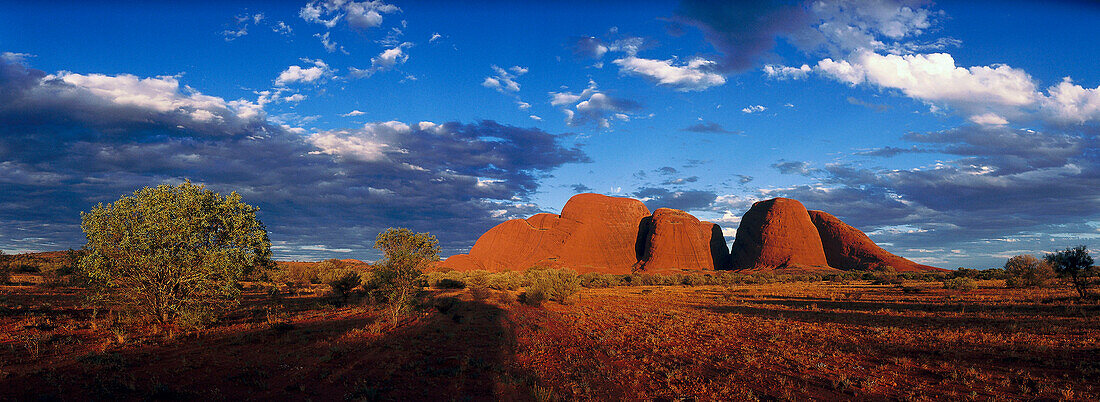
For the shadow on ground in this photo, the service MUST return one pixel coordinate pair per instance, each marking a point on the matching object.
(457, 350)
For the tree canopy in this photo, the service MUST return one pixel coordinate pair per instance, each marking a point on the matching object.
(173, 252)
(1074, 263)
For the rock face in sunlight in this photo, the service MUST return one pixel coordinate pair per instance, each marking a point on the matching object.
(597, 233)
(777, 233)
(594, 233)
(674, 239)
(849, 248)
(607, 233)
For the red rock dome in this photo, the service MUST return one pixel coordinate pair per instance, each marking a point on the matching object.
(594, 233)
(777, 233)
(848, 248)
(674, 239)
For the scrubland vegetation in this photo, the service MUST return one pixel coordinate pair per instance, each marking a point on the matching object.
(131, 318)
(593, 337)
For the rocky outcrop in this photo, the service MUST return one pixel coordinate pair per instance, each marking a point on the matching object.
(594, 233)
(606, 233)
(597, 233)
(777, 233)
(848, 248)
(673, 239)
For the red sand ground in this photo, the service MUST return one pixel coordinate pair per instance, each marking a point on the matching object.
(779, 341)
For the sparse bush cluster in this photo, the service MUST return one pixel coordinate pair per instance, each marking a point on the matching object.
(343, 282)
(55, 268)
(552, 284)
(981, 275)
(513, 280)
(962, 283)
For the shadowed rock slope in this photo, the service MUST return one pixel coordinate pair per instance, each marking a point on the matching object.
(848, 248)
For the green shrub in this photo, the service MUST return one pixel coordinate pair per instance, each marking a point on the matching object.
(596, 280)
(343, 282)
(478, 283)
(693, 280)
(965, 273)
(649, 280)
(964, 284)
(448, 283)
(533, 297)
(509, 280)
(555, 284)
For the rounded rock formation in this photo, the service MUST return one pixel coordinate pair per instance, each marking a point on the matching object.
(594, 233)
(777, 233)
(848, 248)
(459, 262)
(606, 234)
(674, 239)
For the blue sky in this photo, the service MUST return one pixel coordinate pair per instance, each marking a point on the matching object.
(947, 131)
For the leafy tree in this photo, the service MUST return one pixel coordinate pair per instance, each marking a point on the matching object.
(1076, 264)
(174, 253)
(405, 255)
(1026, 271)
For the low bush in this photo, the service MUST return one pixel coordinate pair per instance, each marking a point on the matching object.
(343, 283)
(556, 284)
(693, 280)
(506, 298)
(510, 280)
(447, 283)
(597, 280)
(478, 284)
(963, 284)
(445, 280)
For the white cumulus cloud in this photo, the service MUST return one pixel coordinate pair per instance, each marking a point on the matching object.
(358, 15)
(753, 109)
(787, 73)
(385, 61)
(695, 75)
(295, 74)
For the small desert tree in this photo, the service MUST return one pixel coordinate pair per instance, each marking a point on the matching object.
(4, 276)
(1026, 271)
(1076, 264)
(342, 283)
(405, 255)
(173, 253)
